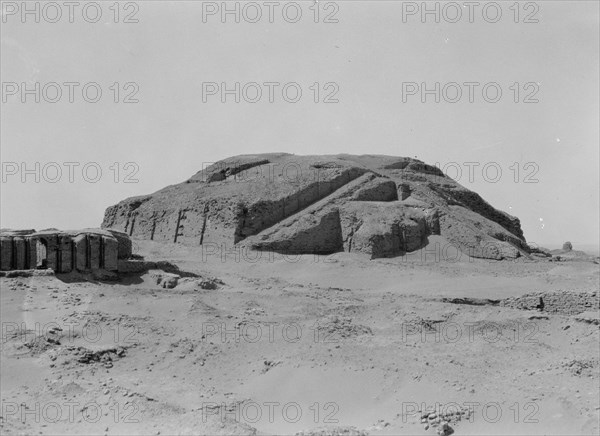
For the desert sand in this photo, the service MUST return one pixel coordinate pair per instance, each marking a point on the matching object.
(337, 344)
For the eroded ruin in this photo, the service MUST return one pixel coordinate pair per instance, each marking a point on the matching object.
(378, 205)
(63, 251)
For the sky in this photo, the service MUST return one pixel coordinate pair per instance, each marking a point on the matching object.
(532, 151)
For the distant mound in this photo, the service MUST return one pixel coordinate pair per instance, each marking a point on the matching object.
(379, 205)
(568, 253)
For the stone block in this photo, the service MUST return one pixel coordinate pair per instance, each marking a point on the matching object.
(405, 191)
(19, 251)
(6, 253)
(81, 252)
(94, 251)
(111, 253)
(32, 242)
(65, 253)
(124, 243)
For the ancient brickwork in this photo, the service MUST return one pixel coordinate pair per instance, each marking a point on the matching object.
(561, 302)
(63, 252)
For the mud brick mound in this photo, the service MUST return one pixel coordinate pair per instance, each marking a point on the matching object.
(382, 206)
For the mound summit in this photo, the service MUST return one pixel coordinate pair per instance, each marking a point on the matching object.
(382, 206)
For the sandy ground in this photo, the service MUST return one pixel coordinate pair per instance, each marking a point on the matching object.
(299, 344)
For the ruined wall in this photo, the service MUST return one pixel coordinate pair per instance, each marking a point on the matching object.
(212, 220)
(225, 220)
(378, 189)
(462, 228)
(385, 229)
(318, 233)
(15, 252)
(560, 302)
(63, 252)
(124, 245)
(5, 253)
(264, 214)
(473, 201)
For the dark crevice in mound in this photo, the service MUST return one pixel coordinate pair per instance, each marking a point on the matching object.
(228, 171)
(472, 301)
